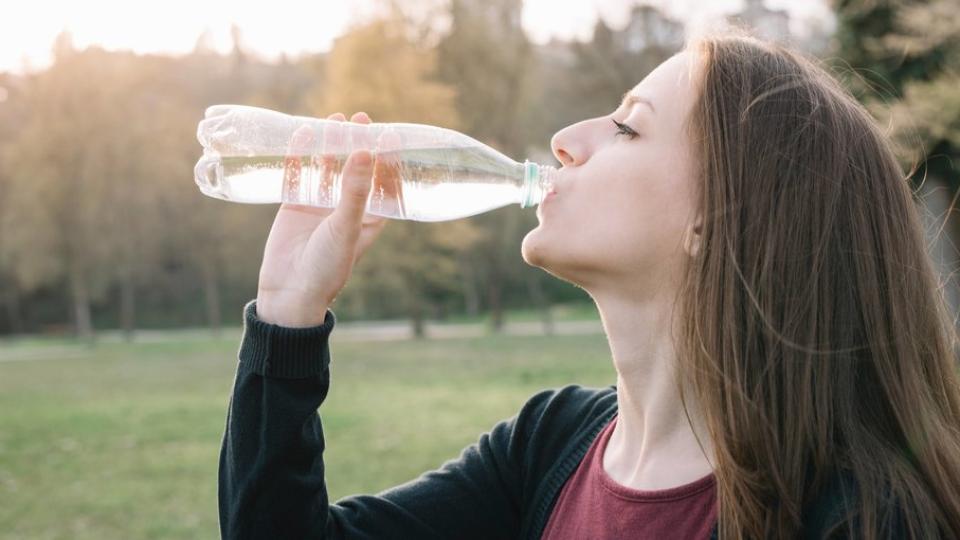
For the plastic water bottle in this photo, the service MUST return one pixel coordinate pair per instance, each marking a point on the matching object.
(422, 173)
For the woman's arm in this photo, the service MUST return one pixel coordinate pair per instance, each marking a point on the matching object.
(271, 481)
(271, 463)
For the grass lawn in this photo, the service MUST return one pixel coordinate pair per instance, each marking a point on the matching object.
(122, 440)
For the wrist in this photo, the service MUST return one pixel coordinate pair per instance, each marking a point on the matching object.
(290, 314)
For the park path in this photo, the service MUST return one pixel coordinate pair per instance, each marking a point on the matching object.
(352, 331)
(401, 330)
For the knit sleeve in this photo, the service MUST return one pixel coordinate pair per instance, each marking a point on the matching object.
(271, 477)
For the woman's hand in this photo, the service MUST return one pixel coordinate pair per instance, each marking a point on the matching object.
(311, 251)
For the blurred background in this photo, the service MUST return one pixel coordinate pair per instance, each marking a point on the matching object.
(122, 286)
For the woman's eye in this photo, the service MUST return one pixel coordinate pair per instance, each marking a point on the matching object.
(623, 129)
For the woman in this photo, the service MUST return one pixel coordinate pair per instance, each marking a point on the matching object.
(784, 358)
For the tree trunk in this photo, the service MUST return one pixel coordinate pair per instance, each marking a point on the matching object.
(416, 312)
(80, 296)
(494, 302)
(471, 293)
(499, 266)
(358, 305)
(943, 243)
(539, 299)
(127, 306)
(941, 237)
(12, 303)
(417, 320)
(211, 293)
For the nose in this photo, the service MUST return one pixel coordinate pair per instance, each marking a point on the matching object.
(566, 147)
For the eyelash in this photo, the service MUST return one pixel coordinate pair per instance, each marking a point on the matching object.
(623, 129)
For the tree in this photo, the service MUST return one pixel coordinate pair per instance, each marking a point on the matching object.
(12, 115)
(488, 59)
(88, 170)
(152, 117)
(907, 57)
(61, 183)
(908, 53)
(378, 69)
(98, 209)
(208, 241)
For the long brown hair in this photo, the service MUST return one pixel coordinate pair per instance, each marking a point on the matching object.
(816, 338)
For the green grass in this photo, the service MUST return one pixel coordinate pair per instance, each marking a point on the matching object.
(121, 440)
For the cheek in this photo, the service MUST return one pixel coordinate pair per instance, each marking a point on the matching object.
(614, 222)
(588, 233)
(638, 223)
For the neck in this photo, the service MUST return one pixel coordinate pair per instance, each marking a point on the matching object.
(654, 445)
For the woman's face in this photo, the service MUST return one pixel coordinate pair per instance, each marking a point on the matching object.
(620, 213)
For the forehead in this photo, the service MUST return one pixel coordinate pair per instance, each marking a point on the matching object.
(669, 87)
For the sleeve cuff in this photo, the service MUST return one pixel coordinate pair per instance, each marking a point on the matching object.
(271, 350)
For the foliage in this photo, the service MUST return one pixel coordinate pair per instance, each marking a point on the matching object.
(907, 56)
(410, 259)
(102, 226)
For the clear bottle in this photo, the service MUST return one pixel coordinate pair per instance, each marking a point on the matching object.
(421, 172)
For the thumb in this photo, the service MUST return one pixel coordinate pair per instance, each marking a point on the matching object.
(354, 190)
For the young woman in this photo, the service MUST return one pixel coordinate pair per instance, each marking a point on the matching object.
(785, 363)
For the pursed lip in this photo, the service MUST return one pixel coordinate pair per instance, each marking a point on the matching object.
(551, 192)
(550, 195)
(552, 185)
(551, 189)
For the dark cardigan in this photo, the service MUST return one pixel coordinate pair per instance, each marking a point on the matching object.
(504, 486)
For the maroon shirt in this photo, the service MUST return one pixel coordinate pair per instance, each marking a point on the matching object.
(593, 505)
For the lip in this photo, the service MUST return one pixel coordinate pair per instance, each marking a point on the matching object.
(551, 188)
(550, 195)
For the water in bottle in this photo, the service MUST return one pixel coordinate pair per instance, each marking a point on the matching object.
(422, 173)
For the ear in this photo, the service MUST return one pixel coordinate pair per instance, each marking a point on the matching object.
(692, 237)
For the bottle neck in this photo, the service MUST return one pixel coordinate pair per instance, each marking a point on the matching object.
(537, 181)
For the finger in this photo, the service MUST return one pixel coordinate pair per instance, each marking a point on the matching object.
(217, 110)
(360, 118)
(301, 143)
(330, 159)
(354, 190)
(388, 181)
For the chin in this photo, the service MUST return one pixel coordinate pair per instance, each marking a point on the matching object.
(539, 251)
(534, 248)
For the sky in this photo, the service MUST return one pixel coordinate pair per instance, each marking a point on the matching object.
(292, 27)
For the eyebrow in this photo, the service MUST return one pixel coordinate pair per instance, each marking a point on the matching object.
(629, 100)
